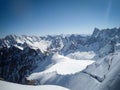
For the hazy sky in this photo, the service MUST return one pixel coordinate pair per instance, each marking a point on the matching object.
(42, 17)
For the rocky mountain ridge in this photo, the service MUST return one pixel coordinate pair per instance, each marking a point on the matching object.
(21, 55)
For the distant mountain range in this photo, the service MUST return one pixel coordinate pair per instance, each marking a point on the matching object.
(38, 60)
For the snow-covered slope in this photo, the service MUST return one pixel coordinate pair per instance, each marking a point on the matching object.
(63, 66)
(101, 75)
(26, 53)
(34, 57)
(82, 55)
(23, 41)
(12, 86)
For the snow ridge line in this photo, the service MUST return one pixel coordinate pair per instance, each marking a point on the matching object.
(97, 78)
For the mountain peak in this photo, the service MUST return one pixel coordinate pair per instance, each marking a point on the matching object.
(95, 32)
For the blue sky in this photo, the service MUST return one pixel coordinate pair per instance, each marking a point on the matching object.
(43, 17)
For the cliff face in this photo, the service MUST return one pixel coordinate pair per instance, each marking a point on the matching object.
(16, 64)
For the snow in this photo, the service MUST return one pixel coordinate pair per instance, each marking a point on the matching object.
(18, 47)
(63, 66)
(117, 44)
(12, 86)
(106, 49)
(112, 76)
(75, 70)
(19, 41)
(42, 45)
(117, 47)
(82, 55)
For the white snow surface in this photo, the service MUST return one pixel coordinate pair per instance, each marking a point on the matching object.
(117, 44)
(19, 47)
(82, 55)
(40, 44)
(62, 65)
(12, 86)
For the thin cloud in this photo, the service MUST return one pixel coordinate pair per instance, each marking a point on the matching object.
(108, 10)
